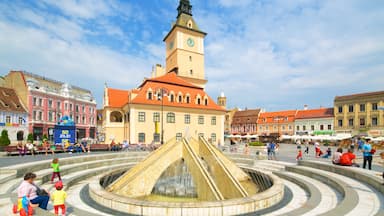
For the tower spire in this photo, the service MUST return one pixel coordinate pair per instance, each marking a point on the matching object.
(184, 7)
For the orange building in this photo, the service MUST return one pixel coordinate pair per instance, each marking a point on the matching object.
(245, 122)
(276, 123)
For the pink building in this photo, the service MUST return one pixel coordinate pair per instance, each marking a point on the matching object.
(48, 100)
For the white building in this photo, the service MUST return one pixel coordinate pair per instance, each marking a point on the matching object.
(314, 121)
(13, 115)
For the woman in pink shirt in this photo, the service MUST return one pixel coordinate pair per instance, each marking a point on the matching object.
(28, 189)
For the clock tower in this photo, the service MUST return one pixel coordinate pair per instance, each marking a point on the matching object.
(185, 47)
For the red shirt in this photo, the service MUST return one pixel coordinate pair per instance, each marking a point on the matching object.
(346, 158)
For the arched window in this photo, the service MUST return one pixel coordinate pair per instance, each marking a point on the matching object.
(171, 117)
(150, 95)
(187, 99)
(116, 116)
(198, 101)
(180, 99)
(206, 101)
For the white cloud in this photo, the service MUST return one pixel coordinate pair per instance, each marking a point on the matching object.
(234, 3)
(86, 9)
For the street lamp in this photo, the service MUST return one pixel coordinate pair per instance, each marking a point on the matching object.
(163, 92)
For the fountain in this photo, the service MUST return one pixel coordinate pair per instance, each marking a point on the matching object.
(188, 177)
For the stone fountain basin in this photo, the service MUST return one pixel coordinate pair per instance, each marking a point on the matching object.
(259, 201)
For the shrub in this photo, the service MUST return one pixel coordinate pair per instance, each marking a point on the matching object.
(45, 137)
(257, 143)
(30, 138)
(4, 139)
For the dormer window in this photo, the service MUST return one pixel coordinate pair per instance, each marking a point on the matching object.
(172, 98)
(180, 99)
(189, 24)
(198, 101)
(150, 96)
(187, 99)
(206, 102)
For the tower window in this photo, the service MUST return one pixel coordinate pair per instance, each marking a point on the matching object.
(190, 58)
(191, 72)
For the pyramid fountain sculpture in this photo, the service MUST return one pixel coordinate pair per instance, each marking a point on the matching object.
(188, 177)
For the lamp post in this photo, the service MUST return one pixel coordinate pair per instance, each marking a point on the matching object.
(163, 91)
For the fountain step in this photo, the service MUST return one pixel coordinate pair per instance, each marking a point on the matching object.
(358, 199)
(321, 196)
(299, 198)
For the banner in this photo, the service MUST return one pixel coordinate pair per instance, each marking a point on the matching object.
(157, 128)
(63, 134)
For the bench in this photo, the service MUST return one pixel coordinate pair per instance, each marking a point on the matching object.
(12, 150)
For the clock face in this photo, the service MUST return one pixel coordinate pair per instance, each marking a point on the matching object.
(190, 42)
(170, 46)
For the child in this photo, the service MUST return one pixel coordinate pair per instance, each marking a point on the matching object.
(58, 197)
(299, 155)
(56, 169)
(329, 153)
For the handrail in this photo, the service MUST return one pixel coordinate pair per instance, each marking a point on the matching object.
(216, 192)
(236, 183)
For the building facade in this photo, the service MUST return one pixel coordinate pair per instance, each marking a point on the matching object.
(245, 122)
(13, 115)
(314, 122)
(276, 123)
(47, 101)
(360, 114)
(173, 102)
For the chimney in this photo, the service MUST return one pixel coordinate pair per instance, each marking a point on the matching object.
(305, 107)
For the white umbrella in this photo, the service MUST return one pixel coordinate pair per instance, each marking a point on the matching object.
(254, 136)
(237, 136)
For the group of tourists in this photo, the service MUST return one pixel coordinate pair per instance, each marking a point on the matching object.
(31, 196)
(49, 147)
(348, 158)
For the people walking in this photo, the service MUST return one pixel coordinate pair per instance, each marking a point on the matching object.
(306, 147)
(367, 154)
(271, 151)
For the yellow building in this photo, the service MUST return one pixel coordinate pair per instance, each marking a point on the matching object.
(360, 114)
(173, 101)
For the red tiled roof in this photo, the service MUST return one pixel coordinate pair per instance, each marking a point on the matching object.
(315, 113)
(279, 116)
(175, 85)
(117, 98)
(171, 78)
(9, 101)
(245, 117)
(360, 95)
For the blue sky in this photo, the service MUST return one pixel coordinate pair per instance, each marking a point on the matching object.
(261, 53)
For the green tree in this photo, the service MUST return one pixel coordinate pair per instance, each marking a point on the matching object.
(4, 139)
(30, 138)
(45, 137)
